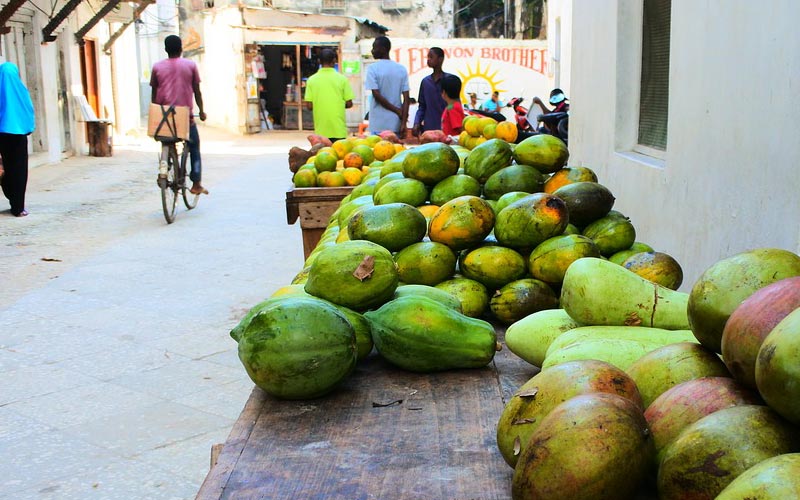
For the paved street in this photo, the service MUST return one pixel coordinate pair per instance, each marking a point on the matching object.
(118, 373)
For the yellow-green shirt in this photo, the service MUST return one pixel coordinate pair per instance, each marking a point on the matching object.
(328, 91)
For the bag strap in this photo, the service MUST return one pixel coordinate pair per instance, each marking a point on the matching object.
(167, 114)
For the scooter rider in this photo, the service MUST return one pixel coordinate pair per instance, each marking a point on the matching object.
(551, 117)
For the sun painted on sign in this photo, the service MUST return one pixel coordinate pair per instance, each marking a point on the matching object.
(481, 81)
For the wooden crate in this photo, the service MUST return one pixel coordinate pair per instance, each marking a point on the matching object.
(384, 433)
(313, 207)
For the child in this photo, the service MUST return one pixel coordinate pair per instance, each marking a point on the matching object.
(453, 113)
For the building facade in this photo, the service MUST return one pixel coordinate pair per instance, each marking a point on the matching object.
(686, 111)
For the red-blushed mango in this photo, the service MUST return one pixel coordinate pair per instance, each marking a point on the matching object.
(537, 397)
(713, 451)
(752, 321)
(728, 282)
(688, 402)
(591, 447)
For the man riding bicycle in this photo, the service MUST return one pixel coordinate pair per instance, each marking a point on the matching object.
(174, 81)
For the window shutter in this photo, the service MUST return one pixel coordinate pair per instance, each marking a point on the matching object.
(654, 101)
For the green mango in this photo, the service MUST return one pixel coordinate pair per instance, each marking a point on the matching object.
(422, 335)
(773, 479)
(599, 292)
(530, 337)
(620, 353)
(650, 337)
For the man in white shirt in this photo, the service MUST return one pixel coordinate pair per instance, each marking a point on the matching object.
(388, 83)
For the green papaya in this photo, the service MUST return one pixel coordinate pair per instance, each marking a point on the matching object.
(611, 234)
(586, 201)
(494, 266)
(487, 158)
(453, 187)
(431, 162)
(393, 226)
(544, 152)
(530, 336)
(551, 258)
(430, 292)
(637, 247)
(599, 292)
(420, 334)
(473, 295)
(346, 209)
(520, 298)
(509, 198)
(513, 178)
(356, 274)
(298, 348)
(410, 191)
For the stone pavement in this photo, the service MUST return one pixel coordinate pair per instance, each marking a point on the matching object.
(118, 373)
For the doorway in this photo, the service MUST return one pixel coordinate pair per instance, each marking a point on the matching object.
(288, 66)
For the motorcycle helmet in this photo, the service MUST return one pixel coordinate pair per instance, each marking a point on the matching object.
(557, 96)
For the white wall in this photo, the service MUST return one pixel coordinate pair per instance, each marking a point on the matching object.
(559, 32)
(728, 181)
(222, 70)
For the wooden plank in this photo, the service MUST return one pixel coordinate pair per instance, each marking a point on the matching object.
(325, 199)
(385, 433)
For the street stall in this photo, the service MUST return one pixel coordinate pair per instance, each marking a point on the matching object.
(275, 51)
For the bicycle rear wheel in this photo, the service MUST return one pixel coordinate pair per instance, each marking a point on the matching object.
(169, 186)
(189, 199)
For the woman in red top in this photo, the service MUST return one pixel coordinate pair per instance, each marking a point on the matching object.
(453, 114)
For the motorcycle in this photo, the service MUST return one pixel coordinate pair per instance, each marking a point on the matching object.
(535, 121)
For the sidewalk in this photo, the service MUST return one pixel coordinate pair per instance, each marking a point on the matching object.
(118, 371)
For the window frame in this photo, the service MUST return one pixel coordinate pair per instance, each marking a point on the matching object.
(628, 89)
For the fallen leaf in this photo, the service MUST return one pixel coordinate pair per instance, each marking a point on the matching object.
(517, 446)
(528, 393)
(365, 269)
(49, 259)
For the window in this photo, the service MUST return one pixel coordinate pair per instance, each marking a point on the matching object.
(395, 4)
(654, 96)
(333, 4)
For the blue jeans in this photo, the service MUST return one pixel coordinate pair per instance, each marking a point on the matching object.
(194, 154)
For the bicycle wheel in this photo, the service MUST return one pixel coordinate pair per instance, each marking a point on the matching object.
(189, 199)
(169, 186)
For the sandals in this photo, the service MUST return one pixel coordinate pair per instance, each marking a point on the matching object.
(198, 190)
(21, 214)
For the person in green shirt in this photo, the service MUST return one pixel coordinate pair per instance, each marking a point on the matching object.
(328, 94)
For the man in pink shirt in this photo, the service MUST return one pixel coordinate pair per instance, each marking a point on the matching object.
(174, 81)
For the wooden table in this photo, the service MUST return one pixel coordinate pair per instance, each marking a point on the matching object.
(314, 207)
(383, 434)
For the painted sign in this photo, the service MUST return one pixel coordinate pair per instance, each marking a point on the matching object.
(513, 68)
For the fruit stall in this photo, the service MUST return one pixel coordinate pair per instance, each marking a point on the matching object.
(477, 321)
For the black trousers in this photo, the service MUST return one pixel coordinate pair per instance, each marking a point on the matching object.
(14, 151)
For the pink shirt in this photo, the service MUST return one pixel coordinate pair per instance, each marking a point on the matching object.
(175, 79)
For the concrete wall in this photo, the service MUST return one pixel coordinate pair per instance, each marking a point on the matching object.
(221, 68)
(422, 19)
(559, 43)
(728, 179)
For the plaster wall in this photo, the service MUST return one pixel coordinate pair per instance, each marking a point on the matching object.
(727, 181)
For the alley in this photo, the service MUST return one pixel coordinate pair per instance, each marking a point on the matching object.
(118, 371)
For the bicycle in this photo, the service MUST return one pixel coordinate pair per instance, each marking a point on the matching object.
(172, 178)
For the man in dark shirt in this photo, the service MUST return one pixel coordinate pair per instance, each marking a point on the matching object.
(431, 103)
